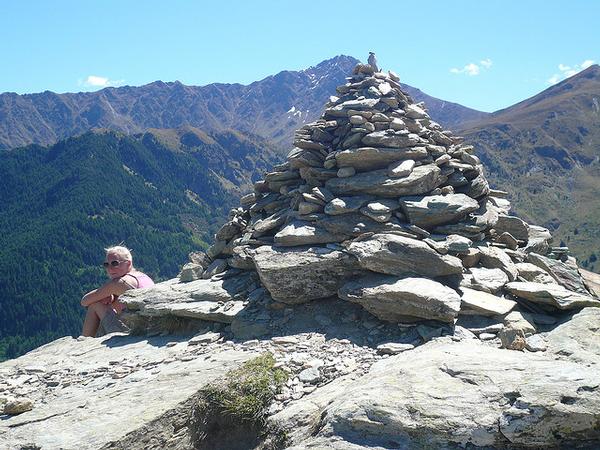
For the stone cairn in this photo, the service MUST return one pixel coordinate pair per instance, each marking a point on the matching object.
(380, 206)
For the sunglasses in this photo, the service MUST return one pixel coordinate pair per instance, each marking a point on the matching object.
(114, 263)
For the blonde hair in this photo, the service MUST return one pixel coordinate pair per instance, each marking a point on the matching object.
(120, 250)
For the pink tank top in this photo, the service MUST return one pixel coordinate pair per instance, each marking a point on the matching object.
(142, 279)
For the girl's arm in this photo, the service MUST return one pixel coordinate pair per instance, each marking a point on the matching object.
(113, 287)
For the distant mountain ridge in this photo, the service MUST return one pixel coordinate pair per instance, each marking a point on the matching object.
(271, 108)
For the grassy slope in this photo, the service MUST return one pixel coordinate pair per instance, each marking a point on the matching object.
(544, 151)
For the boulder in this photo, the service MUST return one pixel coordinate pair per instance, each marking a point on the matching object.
(399, 255)
(300, 274)
(432, 210)
(345, 205)
(513, 225)
(496, 258)
(551, 294)
(488, 280)
(213, 300)
(485, 304)
(566, 274)
(422, 179)
(533, 273)
(398, 300)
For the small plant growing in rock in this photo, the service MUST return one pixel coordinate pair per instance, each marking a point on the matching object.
(248, 391)
(232, 412)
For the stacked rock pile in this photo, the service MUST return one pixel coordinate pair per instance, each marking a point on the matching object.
(380, 206)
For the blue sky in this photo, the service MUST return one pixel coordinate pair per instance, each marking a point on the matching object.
(483, 54)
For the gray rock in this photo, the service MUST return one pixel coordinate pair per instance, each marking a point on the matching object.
(485, 304)
(565, 273)
(433, 210)
(275, 220)
(531, 272)
(219, 265)
(398, 139)
(496, 258)
(371, 158)
(303, 233)
(345, 205)
(396, 300)
(422, 179)
(577, 339)
(488, 280)
(453, 395)
(310, 375)
(356, 224)
(214, 300)
(401, 169)
(513, 225)
(399, 255)
(551, 294)
(300, 274)
(190, 272)
(345, 172)
(536, 343)
(113, 389)
(16, 406)
(393, 348)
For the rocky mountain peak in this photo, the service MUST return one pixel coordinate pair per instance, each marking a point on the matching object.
(385, 277)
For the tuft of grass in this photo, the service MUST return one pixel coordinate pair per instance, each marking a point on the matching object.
(247, 392)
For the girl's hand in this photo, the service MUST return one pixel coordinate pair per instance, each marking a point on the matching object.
(108, 300)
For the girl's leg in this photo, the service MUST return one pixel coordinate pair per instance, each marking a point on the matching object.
(95, 313)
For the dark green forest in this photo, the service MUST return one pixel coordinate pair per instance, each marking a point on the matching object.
(62, 205)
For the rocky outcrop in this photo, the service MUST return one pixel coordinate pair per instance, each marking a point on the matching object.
(391, 285)
(452, 395)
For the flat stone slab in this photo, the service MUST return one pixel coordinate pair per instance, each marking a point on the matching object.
(432, 210)
(486, 304)
(551, 294)
(387, 139)
(300, 274)
(213, 300)
(395, 300)
(371, 158)
(303, 233)
(421, 180)
(105, 388)
(399, 255)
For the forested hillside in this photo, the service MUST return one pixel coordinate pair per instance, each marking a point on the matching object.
(163, 194)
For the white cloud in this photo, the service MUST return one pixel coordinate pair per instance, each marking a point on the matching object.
(568, 71)
(97, 81)
(473, 69)
(487, 63)
(587, 63)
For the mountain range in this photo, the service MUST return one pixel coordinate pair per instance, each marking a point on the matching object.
(272, 108)
(545, 152)
(169, 160)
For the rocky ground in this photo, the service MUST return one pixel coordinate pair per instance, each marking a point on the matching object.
(405, 305)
